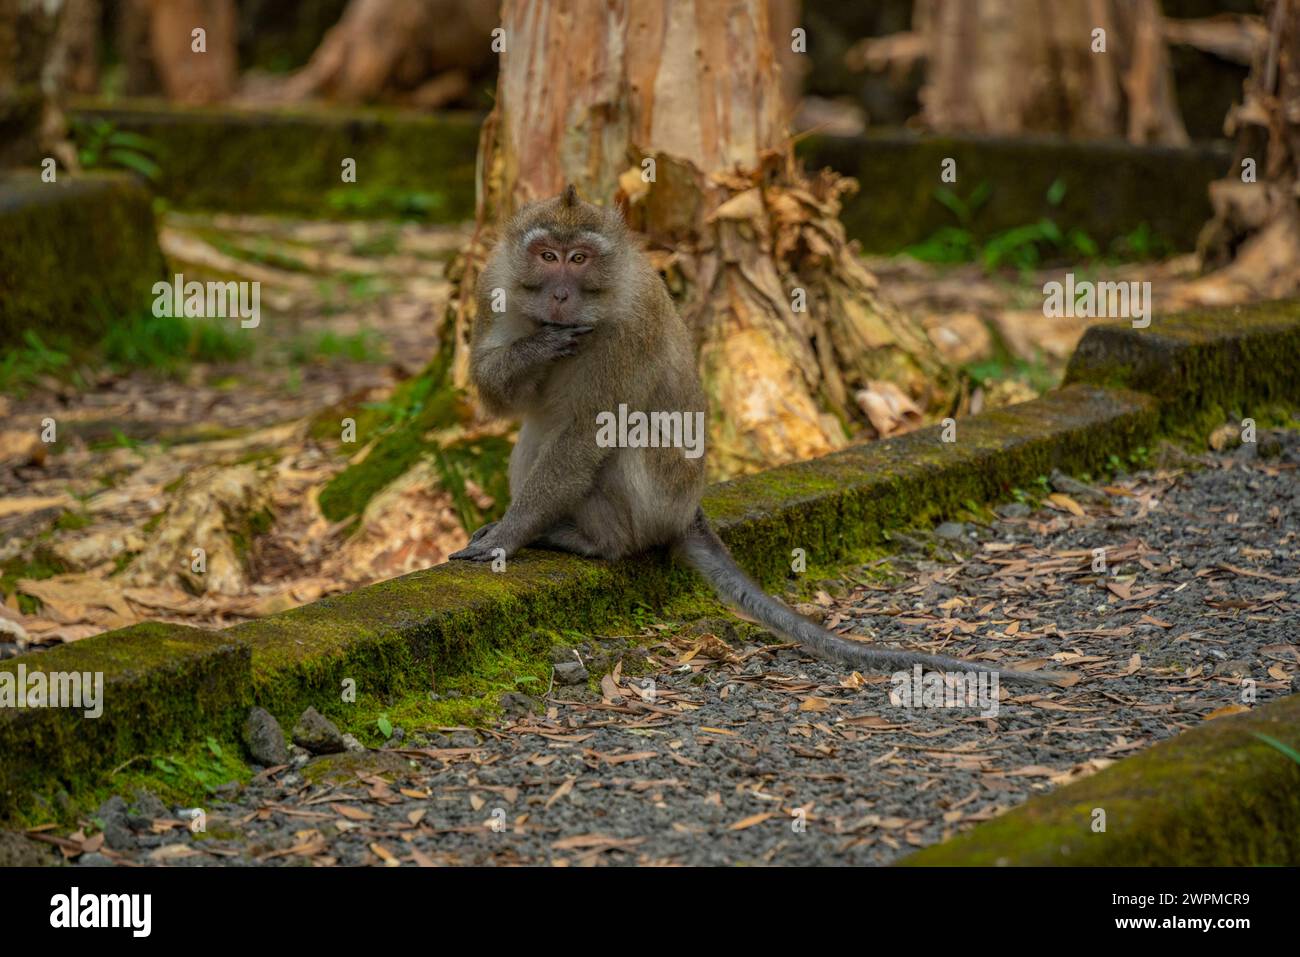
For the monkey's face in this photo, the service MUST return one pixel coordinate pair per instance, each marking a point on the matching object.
(563, 276)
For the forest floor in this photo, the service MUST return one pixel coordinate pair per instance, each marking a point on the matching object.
(725, 750)
(194, 433)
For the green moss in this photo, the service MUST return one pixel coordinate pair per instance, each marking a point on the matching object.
(72, 521)
(1205, 367)
(164, 686)
(1216, 795)
(409, 165)
(77, 254)
(422, 419)
(1112, 192)
(346, 767)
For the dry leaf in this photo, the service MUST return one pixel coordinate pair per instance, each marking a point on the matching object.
(750, 821)
(1226, 710)
(1067, 503)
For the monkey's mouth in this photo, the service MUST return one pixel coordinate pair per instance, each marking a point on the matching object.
(558, 316)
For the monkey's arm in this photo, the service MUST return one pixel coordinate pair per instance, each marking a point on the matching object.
(509, 373)
(560, 479)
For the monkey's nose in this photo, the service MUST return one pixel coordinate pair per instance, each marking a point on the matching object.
(560, 295)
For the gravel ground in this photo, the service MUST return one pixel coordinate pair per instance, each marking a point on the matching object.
(750, 753)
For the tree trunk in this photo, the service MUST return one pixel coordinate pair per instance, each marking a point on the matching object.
(78, 43)
(191, 76)
(796, 351)
(424, 51)
(32, 124)
(1017, 66)
(1252, 244)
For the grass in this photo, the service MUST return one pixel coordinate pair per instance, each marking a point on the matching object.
(358, 347)
(167, 344)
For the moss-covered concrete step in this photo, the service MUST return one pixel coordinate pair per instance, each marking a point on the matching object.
(74, 254)
(1219, 794)
(1204, 366)
(291, 161)
(845, 501)
(1110, 189)
(143, 689)
(397, 634)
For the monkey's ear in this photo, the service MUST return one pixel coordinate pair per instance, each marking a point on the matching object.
(570, 197)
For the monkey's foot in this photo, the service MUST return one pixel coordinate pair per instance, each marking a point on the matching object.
(487, 544)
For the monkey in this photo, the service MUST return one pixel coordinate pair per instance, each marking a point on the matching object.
(573, 321)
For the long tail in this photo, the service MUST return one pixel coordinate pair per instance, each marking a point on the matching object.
(701, 548)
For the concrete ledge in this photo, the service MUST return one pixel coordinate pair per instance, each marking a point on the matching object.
(290, 161)
(287, 161)
(1202, 365)
(75, 253)
(1216, 796)
(1111, 188)
(394, 636)
(163, 685)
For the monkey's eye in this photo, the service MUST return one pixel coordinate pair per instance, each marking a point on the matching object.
(550, 256)
(578, 258)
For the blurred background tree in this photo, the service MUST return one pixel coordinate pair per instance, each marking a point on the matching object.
(1252, 245)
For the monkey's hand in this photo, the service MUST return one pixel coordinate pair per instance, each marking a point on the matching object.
(558, 339)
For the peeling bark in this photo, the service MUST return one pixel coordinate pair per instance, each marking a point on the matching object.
(737, 229)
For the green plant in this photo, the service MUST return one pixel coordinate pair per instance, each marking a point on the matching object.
(25, 364)
(1021, 247)
(1282, 746)
(100, 144)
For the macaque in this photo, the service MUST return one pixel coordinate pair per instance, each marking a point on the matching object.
(572, 323)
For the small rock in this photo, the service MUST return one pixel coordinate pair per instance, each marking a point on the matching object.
(9, 649)
(318, 734)
(1270, 445)
(112, 815)
(453, 695)
(1067, 485)
(19, 850)
(264, 738)
(951, 530)
(149, 805)
(464, 739)
(395, 740)
(561, 654)
(350, 743)
(518, 704)
(570, 672)
(1236, 667)
(94, 860)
